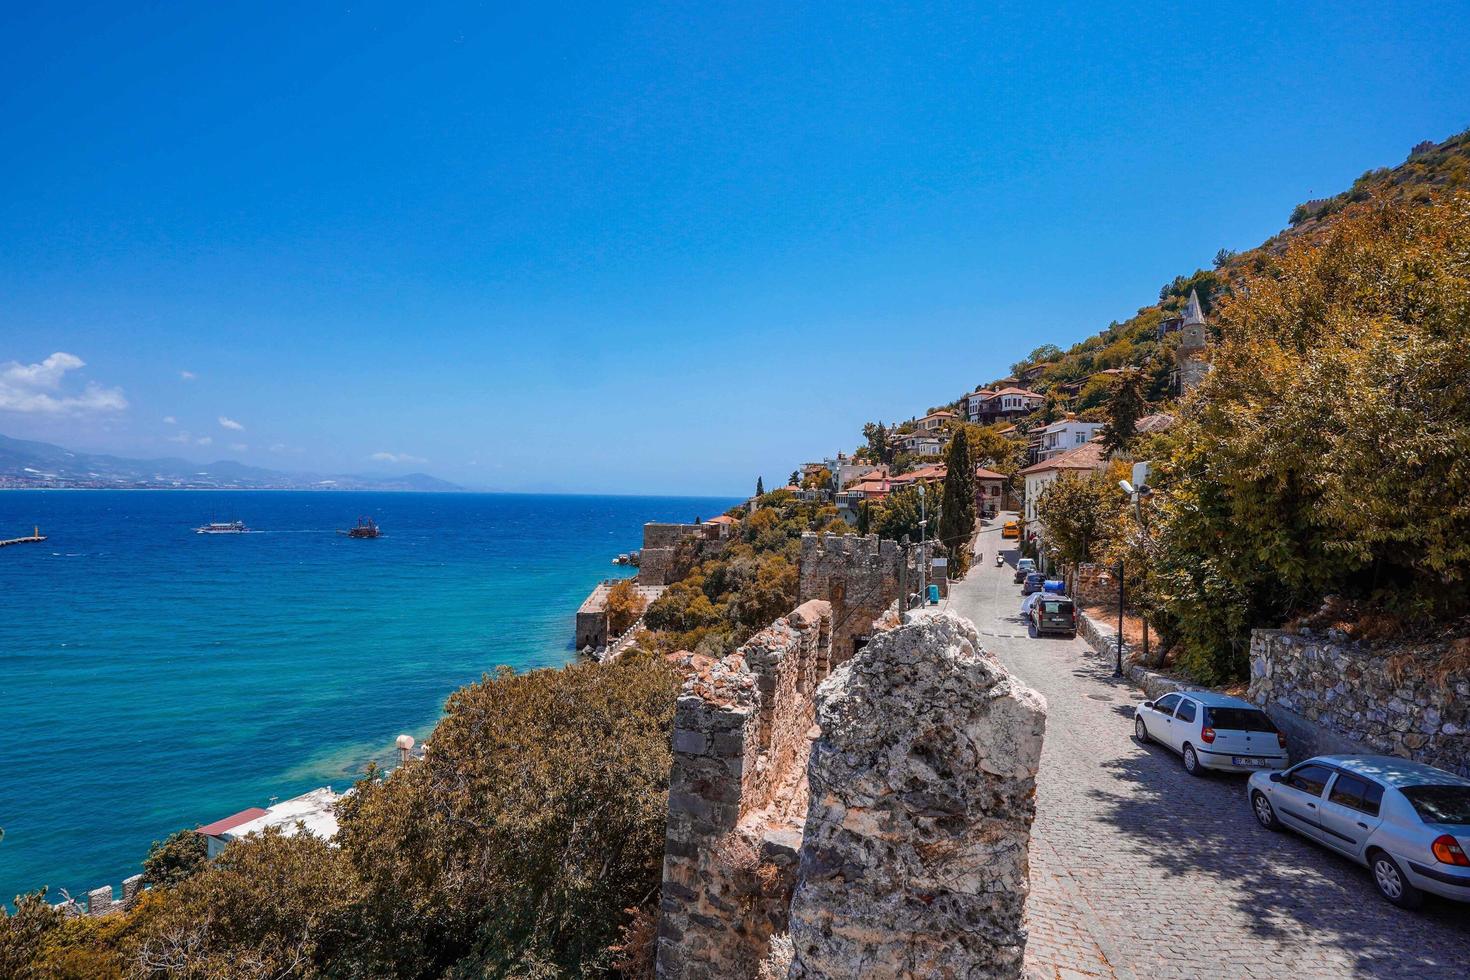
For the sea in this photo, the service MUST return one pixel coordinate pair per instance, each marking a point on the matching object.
(153, 679)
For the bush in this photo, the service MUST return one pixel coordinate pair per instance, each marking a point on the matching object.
(624, 606)
(175, 859)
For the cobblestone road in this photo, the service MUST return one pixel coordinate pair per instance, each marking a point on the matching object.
(1140, 870)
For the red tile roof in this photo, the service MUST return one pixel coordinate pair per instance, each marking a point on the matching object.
(981, 473)
(1088, 456)
(722, 519)
(234, 820)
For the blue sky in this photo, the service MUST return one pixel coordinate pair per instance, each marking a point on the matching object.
(635, 249)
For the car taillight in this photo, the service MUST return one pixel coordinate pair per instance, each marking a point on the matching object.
(1447, 850)
(1208, 734)
(1281, 739)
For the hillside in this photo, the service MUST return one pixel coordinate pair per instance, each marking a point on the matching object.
(28, 464)
(1136, 342)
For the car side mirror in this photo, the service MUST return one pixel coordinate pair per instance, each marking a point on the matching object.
(1275, 777)
(1147, 704)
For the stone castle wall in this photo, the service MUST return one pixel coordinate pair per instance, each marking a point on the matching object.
(914, 861)
(656, 559)
(860, 577)
(1321, 690)
(741, 730)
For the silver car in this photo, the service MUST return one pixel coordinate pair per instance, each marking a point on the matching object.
(1408, 822)
(1212, 731)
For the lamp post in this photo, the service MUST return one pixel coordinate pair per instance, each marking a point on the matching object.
(923, 550)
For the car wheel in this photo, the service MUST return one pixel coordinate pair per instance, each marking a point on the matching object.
(1392, 884)
(1265, 815)
(1140, 731)
(1191, 761)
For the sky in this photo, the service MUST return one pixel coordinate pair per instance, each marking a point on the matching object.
(635, 249)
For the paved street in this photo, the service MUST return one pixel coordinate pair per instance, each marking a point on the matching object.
(1139, 870)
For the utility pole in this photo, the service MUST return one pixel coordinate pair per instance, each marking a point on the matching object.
(1118, 667)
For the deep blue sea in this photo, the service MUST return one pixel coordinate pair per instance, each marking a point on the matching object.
(152, 678)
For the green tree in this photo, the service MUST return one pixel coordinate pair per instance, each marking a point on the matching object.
(1125, 406)
(864, 518)
(624, 605)
(760, 487)
(175, 859)
(899, 515)
(957, 512)
(1077, 514)
(878, 448)
(24, 935)
(537, 816)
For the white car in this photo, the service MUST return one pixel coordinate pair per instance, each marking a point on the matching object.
(1408, 822)
(1212, 731)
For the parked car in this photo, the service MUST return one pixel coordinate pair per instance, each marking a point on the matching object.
(1034, 582)
(1406, 821)
(1024, 567)
(1051, 613)
(1212, 731)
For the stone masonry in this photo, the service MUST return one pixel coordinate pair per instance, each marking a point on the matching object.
(742, 729)
(922, 794)
(1390, 703)
(860, 577)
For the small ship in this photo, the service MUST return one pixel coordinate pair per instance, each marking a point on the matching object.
(365, 527)
(222, 527)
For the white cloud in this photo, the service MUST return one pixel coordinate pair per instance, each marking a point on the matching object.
(204, 440)
(170, 420)
(181, 437)
(396, 458)
(36, 389)
(188, 375)
(231, 424)
(239, 447)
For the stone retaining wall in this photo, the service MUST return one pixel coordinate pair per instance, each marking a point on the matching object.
(1354, 695)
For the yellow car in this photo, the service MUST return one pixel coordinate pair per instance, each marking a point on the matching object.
(1011, 529)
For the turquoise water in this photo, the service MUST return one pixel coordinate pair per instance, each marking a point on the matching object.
(152, 678)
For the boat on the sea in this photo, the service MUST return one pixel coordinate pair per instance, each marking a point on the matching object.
(222, 527)
(365, 527)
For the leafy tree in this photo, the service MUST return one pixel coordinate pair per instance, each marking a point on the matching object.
(957, 512)
(878, 448)
(899, 515)
(1124, 408)
(864, 518)
(819, 479)
(175, 859)
(624, 605)
(1078, 514)
(795, 479)
(24, 934)
(535, 819)
(1324, 455)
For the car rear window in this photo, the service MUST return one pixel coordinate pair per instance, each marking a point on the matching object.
(1440, 804)
(1053, 606)
(1238, 720)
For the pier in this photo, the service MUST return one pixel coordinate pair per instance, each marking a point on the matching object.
(35, 537)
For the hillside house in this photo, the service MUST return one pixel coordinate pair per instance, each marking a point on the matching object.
(1060, 437)
(1006, 405)
(1087, 458)
(935, 421)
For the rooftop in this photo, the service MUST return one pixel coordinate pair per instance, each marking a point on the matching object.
(1088, 456)
(315, 812)
(230, 822)
(1395, 771)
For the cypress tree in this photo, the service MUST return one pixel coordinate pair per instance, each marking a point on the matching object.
(1125, 408)
(760, 487)
(957, 511)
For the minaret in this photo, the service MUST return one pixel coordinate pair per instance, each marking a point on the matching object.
(1189, 357)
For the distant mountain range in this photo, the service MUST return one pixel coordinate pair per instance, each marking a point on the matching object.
(40, 464)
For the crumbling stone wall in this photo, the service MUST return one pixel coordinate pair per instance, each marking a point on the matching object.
(656, 559)
(1320, 687)
(922, 793)
(860, 577)
(741, 731)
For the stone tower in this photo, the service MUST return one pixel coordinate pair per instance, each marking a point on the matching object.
(1191, 361)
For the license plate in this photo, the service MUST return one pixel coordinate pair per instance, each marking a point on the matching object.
(1246, 760)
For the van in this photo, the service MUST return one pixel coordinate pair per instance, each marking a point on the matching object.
(1051, 613)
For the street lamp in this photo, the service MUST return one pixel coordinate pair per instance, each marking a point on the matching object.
(923, 550)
